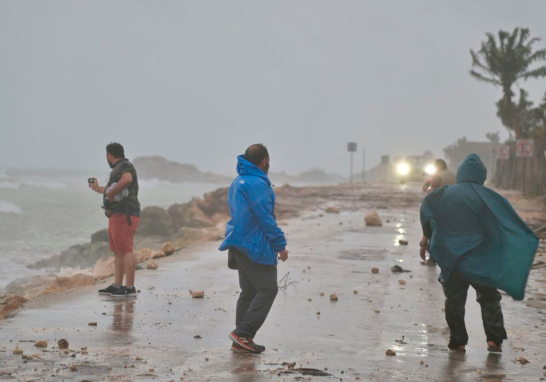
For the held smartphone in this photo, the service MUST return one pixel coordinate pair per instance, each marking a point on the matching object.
(91, 180)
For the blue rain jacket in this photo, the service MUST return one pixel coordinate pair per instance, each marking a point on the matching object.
(476, 234)
(253, 229)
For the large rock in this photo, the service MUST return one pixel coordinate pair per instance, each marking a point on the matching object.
(188, 215)
(215, 202)
(61, 284)
(372, 219)
(101, 235)
(104, 268)
(51, 262)
(29, 287)
(35, 286)
(155, 221)
(84, 256)
(9, 303)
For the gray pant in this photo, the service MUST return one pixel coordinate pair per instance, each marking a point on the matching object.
(259, 288)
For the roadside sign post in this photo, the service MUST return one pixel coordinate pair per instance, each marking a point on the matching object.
(351, 147)
(503, 152)
(524, 148)
(363, 165)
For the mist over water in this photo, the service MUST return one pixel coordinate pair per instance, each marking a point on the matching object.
(42, 214)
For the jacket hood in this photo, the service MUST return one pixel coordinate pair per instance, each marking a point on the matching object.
(244, 167)
(472, 170)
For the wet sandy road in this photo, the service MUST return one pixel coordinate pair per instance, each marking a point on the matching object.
(152, 338)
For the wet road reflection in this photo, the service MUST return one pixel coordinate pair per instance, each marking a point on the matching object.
(244, 367)
(122, 321)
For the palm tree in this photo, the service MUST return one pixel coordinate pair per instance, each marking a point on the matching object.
(503, 64)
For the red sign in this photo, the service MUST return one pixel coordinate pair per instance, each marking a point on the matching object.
(524, 148)
(503, 152)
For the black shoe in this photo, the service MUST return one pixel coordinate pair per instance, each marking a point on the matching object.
(244, 343)
(109, 290)
(124, 292)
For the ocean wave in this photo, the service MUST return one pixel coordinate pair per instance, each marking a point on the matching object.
(9, 208)
(33, 183)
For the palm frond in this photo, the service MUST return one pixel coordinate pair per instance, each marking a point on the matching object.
(523, 36)
(476, 62)
(532, 41)
(483, 78)
(539, 55)
(535, 73)
(512, 40)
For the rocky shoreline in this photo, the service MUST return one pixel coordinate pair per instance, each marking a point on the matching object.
(161, 233)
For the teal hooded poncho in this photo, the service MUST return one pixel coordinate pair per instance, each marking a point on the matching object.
(476, 234)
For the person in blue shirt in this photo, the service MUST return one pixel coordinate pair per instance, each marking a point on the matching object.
(255, 242)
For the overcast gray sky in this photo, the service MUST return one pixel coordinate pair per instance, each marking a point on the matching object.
(198, 81)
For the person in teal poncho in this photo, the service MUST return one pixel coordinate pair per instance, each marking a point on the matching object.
(477, 239)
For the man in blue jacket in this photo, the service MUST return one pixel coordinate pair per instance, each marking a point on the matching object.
(254, 240)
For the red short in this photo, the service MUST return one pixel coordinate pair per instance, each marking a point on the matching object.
(122, 234)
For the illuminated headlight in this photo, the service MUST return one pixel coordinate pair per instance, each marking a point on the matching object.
(403, 169)
(430, 169)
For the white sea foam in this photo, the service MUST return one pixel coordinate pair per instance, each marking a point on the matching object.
(9, 208)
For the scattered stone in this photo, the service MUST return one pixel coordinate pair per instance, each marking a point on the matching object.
(41, 344)
(332, 210)
(197, 337)
(63, 344)
(318, 313)
(390, 352)
(291, 365)
(321, 294)
(372, 219)
(18, 351)
(168, 248)
(523, 361)
(93, 323)
(403, 242)
(309, 300)
(138, 358)
(377, 311)
(74, 367)
(158, 254)
(422, 362)
(151, 265)
(197, 294)
(402, 282)
(333, 297)
(206, 359)
(355, 292)
(375, 271)
(397, 269)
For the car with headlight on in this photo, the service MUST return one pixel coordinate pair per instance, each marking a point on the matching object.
(415, 168)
